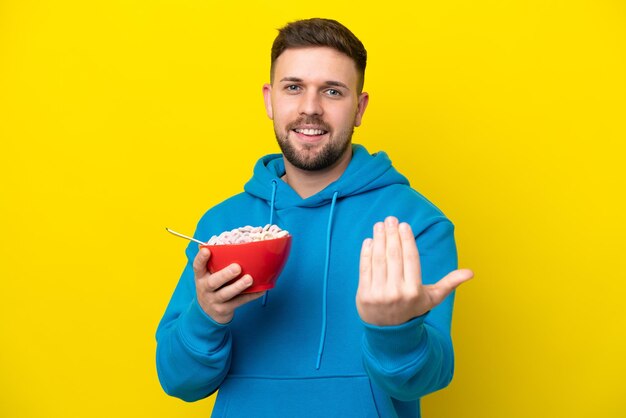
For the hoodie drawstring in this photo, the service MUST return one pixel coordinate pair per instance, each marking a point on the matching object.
(325, 293)
(329, 230)
(274, 185)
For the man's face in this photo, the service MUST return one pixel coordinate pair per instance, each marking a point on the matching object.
(315, 106)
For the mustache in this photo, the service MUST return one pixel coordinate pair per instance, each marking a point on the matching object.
(309, 120)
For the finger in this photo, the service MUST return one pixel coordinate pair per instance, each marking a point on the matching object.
(245, 298)
(234, 289)
(220, 278)
(410, 254)
(440, 290)
(200, 262)
(395, 271)
(379, 256)
(365, 266)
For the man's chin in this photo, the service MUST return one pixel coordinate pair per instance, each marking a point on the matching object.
(306, 160)
(313, 159)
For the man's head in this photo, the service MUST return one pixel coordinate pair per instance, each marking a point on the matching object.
(321, 32)
(315, 96)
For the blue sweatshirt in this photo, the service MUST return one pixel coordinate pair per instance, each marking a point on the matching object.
(303, 351)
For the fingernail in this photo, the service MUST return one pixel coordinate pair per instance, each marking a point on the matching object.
(234, 268)
(391, 221)
(247, 280)
(367, 243)
(379, 227)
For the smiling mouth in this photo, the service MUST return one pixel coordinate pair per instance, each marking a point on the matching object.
(310, 131)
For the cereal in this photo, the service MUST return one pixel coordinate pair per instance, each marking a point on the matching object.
(248, 234)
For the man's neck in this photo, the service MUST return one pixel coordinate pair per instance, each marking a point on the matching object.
(307, 183)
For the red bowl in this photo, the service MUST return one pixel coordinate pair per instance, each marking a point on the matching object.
(263, 260)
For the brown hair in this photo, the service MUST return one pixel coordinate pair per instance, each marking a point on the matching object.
(321, 32)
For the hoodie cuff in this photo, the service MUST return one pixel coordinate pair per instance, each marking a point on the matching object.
(395, 346)
(200, 332)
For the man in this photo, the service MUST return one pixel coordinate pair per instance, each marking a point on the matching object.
(356, 326)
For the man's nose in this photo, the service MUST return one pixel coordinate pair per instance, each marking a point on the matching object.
(311, 104)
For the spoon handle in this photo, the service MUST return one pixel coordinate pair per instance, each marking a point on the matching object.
(185, 236)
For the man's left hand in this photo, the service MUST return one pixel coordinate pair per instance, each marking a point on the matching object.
(390, 282)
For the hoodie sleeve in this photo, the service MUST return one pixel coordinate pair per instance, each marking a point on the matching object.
(193, 351)
(410, 360)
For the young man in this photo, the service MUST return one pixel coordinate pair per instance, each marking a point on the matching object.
(356, 326)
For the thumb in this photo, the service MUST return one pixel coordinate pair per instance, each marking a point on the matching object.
(440, 290)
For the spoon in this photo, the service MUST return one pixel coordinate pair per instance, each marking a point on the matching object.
(185, 236)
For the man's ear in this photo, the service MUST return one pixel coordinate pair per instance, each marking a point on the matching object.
(267, 96)
(363, 101)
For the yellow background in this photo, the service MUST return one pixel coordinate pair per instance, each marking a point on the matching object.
(119, 118)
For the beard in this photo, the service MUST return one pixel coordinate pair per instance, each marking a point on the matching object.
(307, 158)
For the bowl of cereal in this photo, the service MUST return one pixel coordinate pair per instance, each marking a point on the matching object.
(261, 252)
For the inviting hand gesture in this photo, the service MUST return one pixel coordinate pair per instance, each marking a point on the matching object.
(390, 283)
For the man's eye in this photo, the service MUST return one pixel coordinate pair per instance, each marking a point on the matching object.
(292, 87)
(333, 92)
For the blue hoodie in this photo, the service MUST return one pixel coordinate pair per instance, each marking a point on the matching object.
(303, 350)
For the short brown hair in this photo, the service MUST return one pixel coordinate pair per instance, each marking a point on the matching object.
(321, 32)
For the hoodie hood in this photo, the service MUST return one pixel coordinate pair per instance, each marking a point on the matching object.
(365, 172)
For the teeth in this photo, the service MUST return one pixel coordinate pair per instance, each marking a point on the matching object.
(310, 131)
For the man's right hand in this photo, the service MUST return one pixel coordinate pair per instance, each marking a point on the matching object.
(217, 300)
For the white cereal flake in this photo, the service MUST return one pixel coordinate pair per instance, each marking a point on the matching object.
(248, 234)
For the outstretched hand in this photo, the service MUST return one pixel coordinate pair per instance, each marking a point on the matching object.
(390, 288)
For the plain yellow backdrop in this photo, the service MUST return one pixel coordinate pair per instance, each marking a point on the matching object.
(119, 118)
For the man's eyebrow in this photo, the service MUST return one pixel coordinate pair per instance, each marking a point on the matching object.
(337, 84)
(295, 79)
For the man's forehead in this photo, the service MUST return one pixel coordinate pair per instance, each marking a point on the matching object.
(315, 62)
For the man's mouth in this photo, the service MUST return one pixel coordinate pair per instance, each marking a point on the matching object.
(310, 131)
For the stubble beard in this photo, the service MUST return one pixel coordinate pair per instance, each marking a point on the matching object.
(307, 158)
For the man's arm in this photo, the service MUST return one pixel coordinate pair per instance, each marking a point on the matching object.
(407, 348)
(193, 339)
